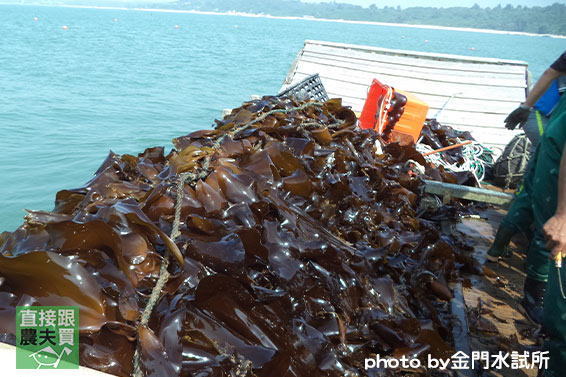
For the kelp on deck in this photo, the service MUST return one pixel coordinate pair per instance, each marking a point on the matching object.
(299, 254)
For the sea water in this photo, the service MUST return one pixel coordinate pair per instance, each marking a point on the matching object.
(125, 80)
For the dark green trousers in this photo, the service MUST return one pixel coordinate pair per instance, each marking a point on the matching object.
(542, 185)
(519, 216)
(554, 321)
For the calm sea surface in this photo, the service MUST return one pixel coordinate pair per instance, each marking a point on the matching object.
(67, 97)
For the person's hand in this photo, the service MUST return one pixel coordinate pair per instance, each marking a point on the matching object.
(518, 116)
(555, 235)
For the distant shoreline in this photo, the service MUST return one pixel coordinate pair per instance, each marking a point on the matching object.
(306, 18)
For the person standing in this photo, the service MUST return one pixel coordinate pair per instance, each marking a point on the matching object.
(533, 202)
(520, 217)
(549, 208)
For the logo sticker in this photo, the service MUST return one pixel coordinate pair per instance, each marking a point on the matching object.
(47, 337)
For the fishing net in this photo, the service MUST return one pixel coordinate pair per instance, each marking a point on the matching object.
(510, 167)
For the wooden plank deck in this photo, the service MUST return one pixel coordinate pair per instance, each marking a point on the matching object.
(498, 292)
(485, 90)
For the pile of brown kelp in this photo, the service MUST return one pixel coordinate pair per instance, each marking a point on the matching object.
(299, 252)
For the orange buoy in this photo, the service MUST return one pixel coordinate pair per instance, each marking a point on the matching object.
(176, 26)
(473, 49)
(35, 18)
(65, 27)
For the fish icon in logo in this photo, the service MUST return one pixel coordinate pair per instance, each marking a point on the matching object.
(47, 357)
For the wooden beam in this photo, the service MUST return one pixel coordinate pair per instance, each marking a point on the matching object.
(469, 193)
(460, 330)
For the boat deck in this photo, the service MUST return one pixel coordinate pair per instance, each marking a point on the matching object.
(480, 91)
(492, 300)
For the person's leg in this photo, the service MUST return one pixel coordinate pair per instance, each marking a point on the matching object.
(538, 265)
(543, 185)
(518, 220)
(538, 261)
(555, 321)
(554, 313)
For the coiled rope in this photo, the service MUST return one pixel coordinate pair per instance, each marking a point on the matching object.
(477, 159)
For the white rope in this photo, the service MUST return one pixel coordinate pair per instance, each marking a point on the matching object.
(476, 159)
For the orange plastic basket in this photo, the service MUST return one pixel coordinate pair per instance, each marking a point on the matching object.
(378, 104)
(414, 116)
(378, 96)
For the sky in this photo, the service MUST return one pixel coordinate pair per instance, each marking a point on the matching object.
(443, 3)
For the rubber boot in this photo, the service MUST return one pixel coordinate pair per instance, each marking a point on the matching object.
(502, 239)
(533, 302)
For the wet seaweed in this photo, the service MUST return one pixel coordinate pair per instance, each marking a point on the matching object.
(299, 252)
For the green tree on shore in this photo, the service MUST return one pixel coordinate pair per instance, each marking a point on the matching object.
(541, 20)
